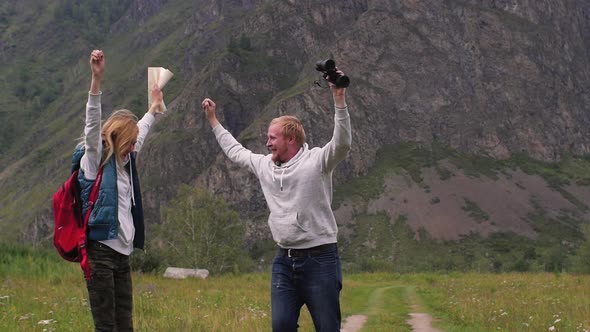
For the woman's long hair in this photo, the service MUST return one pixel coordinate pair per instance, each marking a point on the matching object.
(118, 132)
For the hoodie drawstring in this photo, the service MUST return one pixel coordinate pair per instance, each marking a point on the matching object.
(281, 178)
(131, 180)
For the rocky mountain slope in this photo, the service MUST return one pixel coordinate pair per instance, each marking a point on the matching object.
(488, 78)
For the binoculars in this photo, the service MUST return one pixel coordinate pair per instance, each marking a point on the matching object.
(328, 67)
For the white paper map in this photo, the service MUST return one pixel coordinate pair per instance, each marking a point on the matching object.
(160, 76)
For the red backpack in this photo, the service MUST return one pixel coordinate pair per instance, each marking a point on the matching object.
(69, 235)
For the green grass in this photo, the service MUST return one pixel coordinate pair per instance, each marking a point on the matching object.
(509, 302)
(387, 310)
(383, 298)
(40, 288)
(41, 292)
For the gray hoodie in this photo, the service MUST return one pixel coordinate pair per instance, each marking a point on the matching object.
(299, 192)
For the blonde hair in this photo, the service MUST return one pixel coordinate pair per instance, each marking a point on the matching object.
(290, 126)
(118, 131)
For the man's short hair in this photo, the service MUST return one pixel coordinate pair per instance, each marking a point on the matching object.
(290, 126)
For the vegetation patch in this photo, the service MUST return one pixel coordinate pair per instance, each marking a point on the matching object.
(200, 231)
(474, 211)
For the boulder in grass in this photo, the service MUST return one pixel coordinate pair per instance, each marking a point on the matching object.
(181, 273)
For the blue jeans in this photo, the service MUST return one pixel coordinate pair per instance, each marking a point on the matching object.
(314, 280)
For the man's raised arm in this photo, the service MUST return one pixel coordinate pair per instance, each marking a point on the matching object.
(337, 149)
(230, 146)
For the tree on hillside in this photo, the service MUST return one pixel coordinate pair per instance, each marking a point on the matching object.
(582, 259)
(201, 231)
(555, 259)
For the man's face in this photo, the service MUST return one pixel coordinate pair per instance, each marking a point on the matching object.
(277, 143)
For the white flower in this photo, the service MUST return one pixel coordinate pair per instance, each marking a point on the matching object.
(557, 321)
(45, 322)
(552, 328)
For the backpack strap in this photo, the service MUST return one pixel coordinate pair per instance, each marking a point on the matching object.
(83, 241)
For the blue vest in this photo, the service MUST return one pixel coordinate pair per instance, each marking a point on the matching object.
(104, 221)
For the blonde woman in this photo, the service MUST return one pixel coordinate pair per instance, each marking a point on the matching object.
(116, 224)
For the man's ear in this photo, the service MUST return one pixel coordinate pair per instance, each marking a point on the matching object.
(292, 140)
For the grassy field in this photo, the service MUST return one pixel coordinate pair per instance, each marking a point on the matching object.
(39, 292)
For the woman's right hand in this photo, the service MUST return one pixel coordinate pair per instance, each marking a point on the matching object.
(97, 63)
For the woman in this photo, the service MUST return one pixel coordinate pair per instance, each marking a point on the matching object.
(115, 226)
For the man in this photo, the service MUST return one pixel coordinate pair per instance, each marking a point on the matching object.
(297, 184)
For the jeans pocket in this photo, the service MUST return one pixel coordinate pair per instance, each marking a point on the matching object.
(326, 259)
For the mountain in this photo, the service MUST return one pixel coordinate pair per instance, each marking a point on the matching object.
(470, 118)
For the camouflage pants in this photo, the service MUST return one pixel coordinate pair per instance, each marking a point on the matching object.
(110, 290)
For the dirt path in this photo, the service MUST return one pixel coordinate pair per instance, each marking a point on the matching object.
(354, 323)
(419, 321)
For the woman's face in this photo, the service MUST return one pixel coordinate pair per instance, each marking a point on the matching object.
(129, 147)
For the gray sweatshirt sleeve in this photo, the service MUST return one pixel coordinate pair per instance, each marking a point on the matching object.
(92, 141)
(337, 149)
(235, 151)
